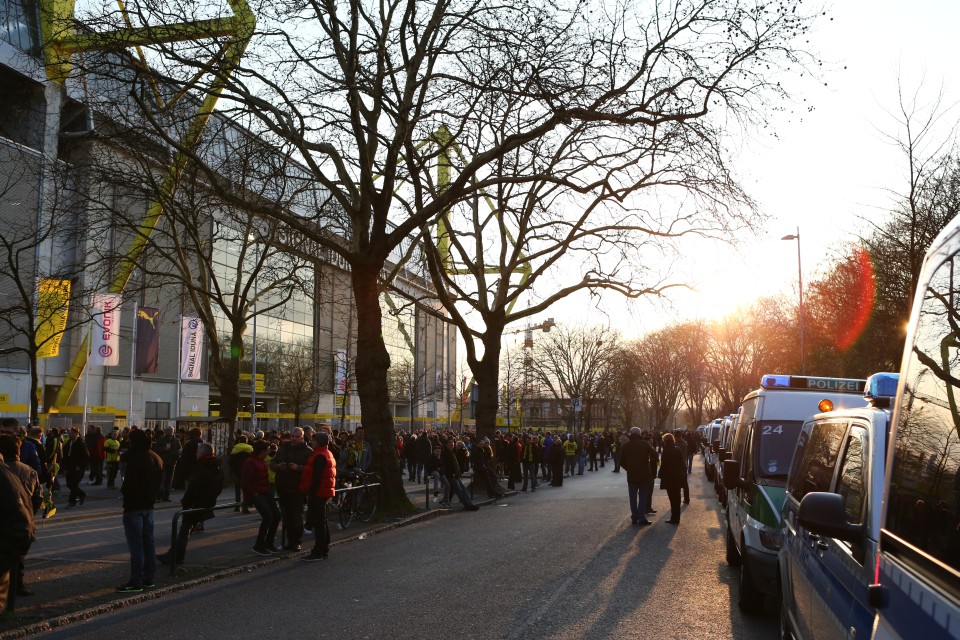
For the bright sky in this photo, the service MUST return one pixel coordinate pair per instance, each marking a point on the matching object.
(829, 168)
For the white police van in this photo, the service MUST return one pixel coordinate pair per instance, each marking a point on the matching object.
(710, 447)
(756, 473)
(832, 520)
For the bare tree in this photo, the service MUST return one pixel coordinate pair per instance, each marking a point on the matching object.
(573, 362)
(297, 381)
(660, 374)
(697, 388)
(387, 92)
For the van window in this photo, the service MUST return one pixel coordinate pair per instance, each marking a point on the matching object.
(816, 458)
(924, 501)
(747, 415)
(778, 439)
(851, 481)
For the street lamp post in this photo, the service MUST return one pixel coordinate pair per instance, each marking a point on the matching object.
(800, 307)
(253, 359)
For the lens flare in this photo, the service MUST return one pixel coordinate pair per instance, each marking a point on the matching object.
(864, 281)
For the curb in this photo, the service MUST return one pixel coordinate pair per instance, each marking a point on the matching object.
(146, 596)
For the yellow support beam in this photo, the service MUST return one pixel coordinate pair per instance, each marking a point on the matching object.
(60, 42)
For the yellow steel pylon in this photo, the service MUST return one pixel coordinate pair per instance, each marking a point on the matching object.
(60, 41)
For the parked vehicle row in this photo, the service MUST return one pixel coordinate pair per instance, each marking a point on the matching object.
(842, 495)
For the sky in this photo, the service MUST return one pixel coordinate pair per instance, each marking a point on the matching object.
(827, 170)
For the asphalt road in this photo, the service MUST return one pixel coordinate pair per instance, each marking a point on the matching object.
(559, 563)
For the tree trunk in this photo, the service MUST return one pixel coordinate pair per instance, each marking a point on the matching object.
(372, 363)
(487, 374)
(34, 417)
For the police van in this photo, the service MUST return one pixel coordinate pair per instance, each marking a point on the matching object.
(917, 584)
(723, 447)
(831, 516)
(710, 449)
(756, 473)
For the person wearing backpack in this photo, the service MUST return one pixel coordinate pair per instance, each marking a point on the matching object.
(238, 456)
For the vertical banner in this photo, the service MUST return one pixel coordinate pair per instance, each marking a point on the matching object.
(148, 340)
(191, 348)
(340, 372)
(105, 331)
(53, 300)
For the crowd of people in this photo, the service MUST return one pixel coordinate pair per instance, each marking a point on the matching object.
(288, 477)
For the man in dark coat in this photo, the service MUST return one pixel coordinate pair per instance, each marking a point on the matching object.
(635, 458)
(188, 459)
(168, 448)
(288, 466)
(673, 473)
(203, 489)
(75, 461)
(10, 452)
(17, 533)
(140, 487)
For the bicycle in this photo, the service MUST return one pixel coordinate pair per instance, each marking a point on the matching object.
(359, 502)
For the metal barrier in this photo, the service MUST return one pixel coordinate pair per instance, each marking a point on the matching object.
(173, 528)
(231, 505)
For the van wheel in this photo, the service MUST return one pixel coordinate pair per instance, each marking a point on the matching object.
(749, 598)
(733, 555)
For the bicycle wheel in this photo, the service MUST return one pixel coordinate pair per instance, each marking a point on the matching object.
(347, 509)
(367, 503)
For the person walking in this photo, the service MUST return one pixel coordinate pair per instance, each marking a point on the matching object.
(10, 455)
(557, 457)
(288, 464)
(635, 458)
(75, 461)
(238, 456)
(672, 475)
(318, 482)
(530, 460)
(682, 445)
(256, 491)
(168, 448)
(141, 483)
(570, 454)
(111, 452)
(17, 533)
(188, 459)
(451, 469)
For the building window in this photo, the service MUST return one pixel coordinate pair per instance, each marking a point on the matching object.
(157, 411)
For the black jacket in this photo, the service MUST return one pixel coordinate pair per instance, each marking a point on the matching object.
(74, 457)
(635, 457)
(204, 487)
(288, 480)
(674, 468)
(17, 531)
(144, 471)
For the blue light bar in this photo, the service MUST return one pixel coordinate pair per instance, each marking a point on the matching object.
(774, 382)
(881, 385)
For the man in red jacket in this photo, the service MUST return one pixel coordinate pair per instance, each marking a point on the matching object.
(318, 483)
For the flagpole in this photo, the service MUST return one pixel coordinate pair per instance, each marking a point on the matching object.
(133, 364)
(179, 365)
(86, 383)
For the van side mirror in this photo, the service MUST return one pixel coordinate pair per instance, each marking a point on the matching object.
(731, 475)
(822, 513)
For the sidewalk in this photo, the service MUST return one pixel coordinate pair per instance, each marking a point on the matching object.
(80, 555)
